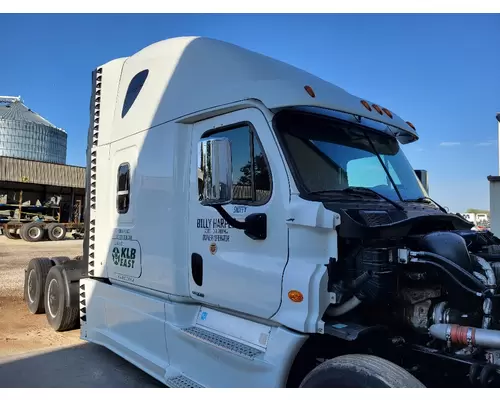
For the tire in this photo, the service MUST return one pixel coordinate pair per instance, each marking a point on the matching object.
(56, 231)
(32, 232)
(359, 371)
(59, 260)
(34, 284)
(60, 313)
(9, 235)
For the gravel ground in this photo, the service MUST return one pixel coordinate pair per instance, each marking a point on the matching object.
(31, 353)
(21, 331)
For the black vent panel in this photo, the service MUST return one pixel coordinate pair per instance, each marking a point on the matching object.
(375, 218)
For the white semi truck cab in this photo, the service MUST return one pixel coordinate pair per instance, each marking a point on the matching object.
(252, 225)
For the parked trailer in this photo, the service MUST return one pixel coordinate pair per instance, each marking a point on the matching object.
(251, 225)
(35, 231)
(34, 223)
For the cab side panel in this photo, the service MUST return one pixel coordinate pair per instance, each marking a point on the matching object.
(148, 240)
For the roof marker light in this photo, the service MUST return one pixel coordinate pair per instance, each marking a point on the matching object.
(387, 112)
(366, 105)
(309, 91)
(377, 108)
(411, 125)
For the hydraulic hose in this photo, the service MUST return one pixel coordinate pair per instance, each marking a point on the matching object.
(445, 270)
(426, 254)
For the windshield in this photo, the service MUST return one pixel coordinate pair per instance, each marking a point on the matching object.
(332, 155)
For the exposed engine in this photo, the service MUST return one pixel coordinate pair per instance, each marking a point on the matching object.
(437, 288)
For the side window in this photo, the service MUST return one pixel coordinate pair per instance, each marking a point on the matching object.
(251, 177)
(133, 90)
(123, 189)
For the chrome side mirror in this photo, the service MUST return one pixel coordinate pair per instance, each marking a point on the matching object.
(215, 173)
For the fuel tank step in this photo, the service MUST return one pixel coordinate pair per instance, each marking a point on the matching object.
(181, 381)
(222, 342)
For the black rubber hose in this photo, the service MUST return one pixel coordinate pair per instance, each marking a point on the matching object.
(360, 280)
(435, 264)
(423, 254)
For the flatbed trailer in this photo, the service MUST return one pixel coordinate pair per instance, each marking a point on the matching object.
(34, 223)
(35, 231)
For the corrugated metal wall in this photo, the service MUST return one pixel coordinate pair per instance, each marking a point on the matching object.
(26, 171)
(31, 141)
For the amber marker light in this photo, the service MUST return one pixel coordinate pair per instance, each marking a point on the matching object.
(387, 112)
(310, 91)
(295, 296)
(411, 125)
(366, 105)
(377, 108)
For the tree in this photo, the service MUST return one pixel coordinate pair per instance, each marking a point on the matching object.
(261, 174)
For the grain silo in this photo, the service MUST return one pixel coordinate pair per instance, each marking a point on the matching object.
(27, 135)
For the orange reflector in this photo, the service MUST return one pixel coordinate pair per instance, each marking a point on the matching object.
(377, 108)
(366, 105)
(295, 296)
(387, 112)
(309, 91)
(411, 125)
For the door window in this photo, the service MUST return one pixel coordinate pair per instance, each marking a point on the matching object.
(251, 177)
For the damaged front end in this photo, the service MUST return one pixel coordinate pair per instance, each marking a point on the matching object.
(430, 283)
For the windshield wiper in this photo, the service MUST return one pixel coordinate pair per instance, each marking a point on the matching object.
(364, 190)
(426, 199)
(333, 191)
(359, 192)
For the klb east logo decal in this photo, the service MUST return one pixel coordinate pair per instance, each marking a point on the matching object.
(124, 257)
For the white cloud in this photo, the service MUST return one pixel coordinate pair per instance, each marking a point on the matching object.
(488, 143)
(449, 144)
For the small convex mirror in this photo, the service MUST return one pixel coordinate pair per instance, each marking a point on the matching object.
(215, 174)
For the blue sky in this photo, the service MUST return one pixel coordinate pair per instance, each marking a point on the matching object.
(439, 71)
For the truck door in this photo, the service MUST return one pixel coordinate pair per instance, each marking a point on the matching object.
(229, 269)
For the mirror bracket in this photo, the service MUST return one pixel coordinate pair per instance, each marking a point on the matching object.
(255, 225)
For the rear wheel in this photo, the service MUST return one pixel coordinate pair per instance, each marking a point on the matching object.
(34, 284)
(56, 231)
(10, 235)
(359, 371)
(32, 232)
(61, 314)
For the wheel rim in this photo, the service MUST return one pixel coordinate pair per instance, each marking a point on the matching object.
(34, 232)
(53, 298)
(57, 232)
(31, 286)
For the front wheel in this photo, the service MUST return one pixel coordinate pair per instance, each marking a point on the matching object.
(359, 371)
